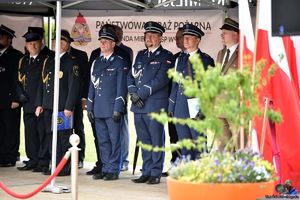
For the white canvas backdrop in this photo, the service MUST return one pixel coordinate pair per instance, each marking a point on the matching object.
(132, 23)
(19, 24)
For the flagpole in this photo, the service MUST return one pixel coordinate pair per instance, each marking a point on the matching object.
(254, 61)
(255, 40)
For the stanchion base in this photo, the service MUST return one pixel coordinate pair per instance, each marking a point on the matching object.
(57, 189)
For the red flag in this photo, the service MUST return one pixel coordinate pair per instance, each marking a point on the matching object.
(292, 49)
(282, 91)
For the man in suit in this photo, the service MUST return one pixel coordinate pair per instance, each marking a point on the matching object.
(125, 130)
(29, 74)
(178, 101)
(69, 90)
(228, 58)
(148, 88)
(94, 55)
(82, 61)
(107, 103)
(10, 111)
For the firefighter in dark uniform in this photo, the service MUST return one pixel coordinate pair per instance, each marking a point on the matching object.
(178, 106)
(10, 111)
(29, 74)
(82, 61)
(148, 88)
(69, 89)
(107, 103)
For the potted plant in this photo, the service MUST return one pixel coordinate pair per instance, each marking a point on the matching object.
(230, 174)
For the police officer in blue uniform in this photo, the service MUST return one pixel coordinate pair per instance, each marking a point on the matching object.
(94, 55)
(107, 103)
(29, 74)
(178, 106)
(10, 110)
(148, 88)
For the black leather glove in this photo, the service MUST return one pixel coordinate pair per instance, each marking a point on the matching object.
(170, 114)
(136, 100)
(116, 116)
(91, 117)
(200, 115)
(134, 97)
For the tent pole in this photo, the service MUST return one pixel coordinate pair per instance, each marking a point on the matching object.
(56, 88)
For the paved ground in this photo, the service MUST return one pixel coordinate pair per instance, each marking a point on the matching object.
(122, 189)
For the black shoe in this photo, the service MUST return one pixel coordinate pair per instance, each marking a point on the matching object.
(8, 164)
(40, 169)
(165, 174)
(153, 180)
(64, 173)
(80, 164)
(27, 167)
(141, 179)
(95, 170)
(111, 176)
(99, 176)
(47, 172)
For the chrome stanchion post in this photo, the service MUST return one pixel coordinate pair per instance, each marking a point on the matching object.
(74, 140)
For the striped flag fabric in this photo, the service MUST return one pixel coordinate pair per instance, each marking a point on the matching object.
(283, 90)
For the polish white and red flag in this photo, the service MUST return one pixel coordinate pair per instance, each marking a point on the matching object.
(246, 35)
(246, 50)
(282, 145)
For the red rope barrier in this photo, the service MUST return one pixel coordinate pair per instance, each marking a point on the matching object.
(62, 163)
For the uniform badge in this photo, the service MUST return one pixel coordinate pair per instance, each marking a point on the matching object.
(76, 70)
(60, 74)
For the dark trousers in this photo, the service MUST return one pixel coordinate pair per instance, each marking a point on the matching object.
(44, 139)
(173, 139)
(99, 162)
(184, 132)
(125, 140)
(32, 139)
(150, 132)
(109, 138)
(9, 135)
(63, 144)
(79, 130)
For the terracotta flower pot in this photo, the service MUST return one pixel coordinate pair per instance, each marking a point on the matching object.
(179, 190)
